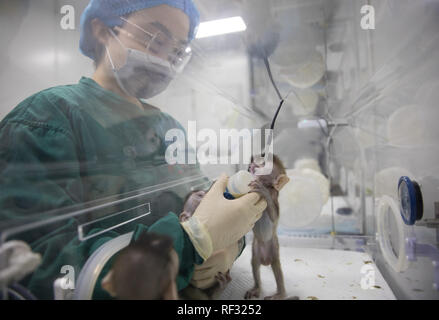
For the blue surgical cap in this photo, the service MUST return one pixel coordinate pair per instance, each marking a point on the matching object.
(110, 11)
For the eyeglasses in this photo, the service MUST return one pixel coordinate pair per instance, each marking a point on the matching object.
(164, 45)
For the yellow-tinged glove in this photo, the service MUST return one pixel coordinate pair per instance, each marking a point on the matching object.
(220, 261)
(218, 222)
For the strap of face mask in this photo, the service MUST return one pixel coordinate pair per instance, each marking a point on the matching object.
(109, 57)
(117, 38)
(108, 52)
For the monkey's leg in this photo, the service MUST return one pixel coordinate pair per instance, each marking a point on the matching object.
(256, 290)
(278, 275)
(281, 292)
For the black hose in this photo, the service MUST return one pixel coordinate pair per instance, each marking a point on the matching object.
(267, 65)
(270, 75)
(277, 112)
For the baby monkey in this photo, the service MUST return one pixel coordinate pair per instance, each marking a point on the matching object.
(191, 292)
(145, 270)
(265, 247)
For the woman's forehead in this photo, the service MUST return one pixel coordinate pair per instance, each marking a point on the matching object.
(168, 20)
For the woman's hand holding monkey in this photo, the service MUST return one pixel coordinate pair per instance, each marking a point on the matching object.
(218, 223)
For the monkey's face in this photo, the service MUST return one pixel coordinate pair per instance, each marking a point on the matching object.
(256, 162)
(259, 162)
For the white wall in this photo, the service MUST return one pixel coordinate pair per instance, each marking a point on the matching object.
(36, 52)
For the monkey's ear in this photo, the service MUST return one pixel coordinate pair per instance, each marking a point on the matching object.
(281, 180)
(107, 284)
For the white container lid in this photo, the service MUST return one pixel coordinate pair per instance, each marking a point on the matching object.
(301, 200)
(303, 102)
(413, 125)
(308, 163)
(307, 73)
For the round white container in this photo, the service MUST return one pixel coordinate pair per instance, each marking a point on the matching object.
(301, 200)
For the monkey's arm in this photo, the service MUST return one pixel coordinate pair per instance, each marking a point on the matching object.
(271, 209)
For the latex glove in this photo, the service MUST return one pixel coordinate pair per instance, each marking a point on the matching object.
(217, 222)
(219, 261)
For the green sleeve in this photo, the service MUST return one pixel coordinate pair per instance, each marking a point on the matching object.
(39, 168)
(187, 255)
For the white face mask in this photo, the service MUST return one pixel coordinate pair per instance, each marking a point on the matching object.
(143, 75)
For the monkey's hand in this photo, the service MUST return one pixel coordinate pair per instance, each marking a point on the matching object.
(223, 279)
(252, 293)
(258, 187)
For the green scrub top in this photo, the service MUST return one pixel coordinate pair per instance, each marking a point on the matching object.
(68, 146)
(78, 143)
